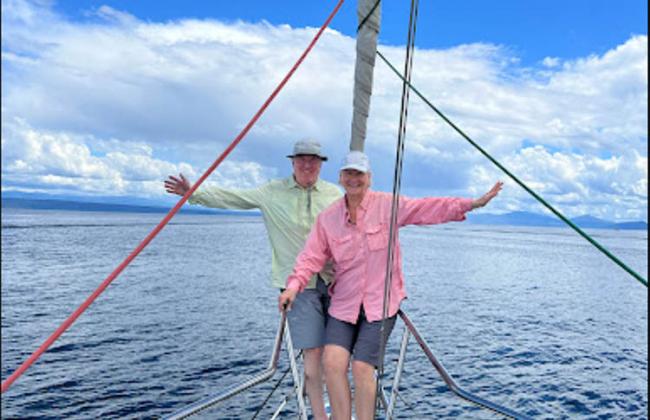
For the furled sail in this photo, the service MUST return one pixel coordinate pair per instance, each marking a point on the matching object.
(369, 14)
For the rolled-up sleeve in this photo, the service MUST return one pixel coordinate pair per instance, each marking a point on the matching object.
(311, 259)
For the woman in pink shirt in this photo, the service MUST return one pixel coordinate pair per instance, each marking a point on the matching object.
(353, 232)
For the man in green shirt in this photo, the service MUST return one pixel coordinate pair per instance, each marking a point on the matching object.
(289, 207)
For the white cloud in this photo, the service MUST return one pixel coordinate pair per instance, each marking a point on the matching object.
(67, 162)
(572, 183)
(115, 104)
(551, 61)
(116, 16)
(242, 174)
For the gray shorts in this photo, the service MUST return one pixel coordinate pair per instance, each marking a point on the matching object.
(308, 316)
(362, 339)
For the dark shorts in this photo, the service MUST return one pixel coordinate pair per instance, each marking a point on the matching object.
(308, 316)
(362, 339)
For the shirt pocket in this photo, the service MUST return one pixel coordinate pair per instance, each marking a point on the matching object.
(377, 237)
(343, 248)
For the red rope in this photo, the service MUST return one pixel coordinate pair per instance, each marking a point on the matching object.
(64, 326)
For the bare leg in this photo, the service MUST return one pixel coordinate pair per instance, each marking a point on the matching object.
(314, 381)
(336, 361)
(365, 389)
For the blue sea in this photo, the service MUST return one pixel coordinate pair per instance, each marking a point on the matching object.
(534, 319)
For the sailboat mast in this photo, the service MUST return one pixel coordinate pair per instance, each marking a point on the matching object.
(369, 15)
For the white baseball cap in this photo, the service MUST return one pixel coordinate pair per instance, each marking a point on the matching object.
(356, 160)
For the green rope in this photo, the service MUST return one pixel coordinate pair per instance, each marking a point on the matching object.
(524, 186)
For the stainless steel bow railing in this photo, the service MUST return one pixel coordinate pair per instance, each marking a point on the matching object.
(251, 382)
(387, 403)
(446, 377)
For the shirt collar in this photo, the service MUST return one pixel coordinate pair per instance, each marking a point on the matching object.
(366, 199)
(363, 205)
(364, 202)
(291, 183)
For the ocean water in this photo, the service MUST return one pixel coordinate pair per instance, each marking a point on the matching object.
(534, 319)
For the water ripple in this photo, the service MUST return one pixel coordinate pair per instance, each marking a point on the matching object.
(530, 319)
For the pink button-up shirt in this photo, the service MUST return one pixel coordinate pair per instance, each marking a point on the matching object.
(360, 251)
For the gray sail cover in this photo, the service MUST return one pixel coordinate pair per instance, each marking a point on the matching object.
(363, 70)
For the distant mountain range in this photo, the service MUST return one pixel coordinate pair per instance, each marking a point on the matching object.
(519, 218)
(522, 218)
(51, 204)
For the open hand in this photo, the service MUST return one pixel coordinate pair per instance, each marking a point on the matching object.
(174, 185)
(480, 202)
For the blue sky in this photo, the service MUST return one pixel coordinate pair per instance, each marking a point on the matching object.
(105, 98)
(535, 29)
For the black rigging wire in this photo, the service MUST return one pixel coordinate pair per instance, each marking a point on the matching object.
(397, 180)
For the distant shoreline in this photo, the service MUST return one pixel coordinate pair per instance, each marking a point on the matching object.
(511, 219)
(70, 205)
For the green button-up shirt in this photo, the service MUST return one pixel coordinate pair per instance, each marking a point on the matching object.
(289, 211)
